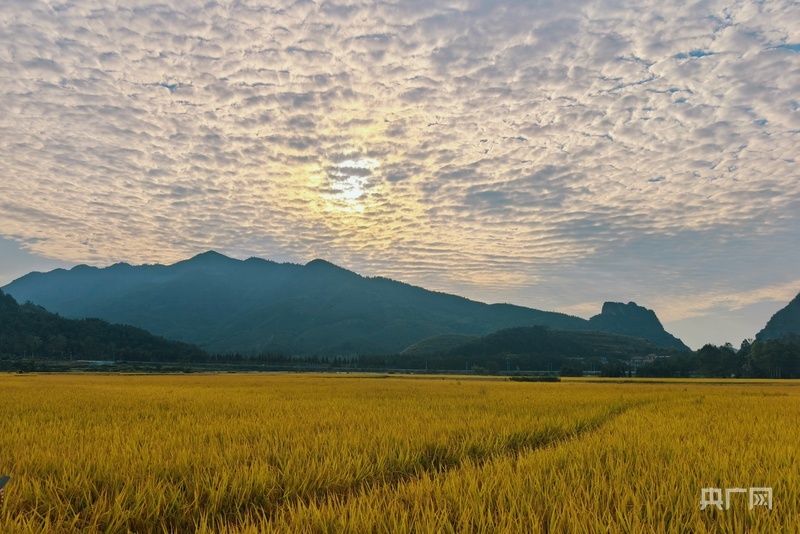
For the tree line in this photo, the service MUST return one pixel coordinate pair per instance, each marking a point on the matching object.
(32, 333)
(777, 358)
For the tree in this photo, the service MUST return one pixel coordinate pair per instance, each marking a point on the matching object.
(773, 359)
(571, 368)
(614, 369)
(719, 361)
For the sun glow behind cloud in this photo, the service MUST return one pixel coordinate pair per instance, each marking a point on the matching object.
(554, 154)
(350, 184)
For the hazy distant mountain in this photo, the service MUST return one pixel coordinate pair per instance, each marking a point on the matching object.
(637, 321)
(223, 304)
(30, 331)
(785, 322)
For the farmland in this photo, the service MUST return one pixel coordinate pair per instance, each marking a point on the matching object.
(330, 453)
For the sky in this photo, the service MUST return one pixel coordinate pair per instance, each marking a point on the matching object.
(552, 154)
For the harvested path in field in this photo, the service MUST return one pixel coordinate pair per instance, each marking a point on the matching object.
(639, 471)
(438, 459)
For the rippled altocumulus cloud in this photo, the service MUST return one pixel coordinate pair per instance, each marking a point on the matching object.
(554, 154)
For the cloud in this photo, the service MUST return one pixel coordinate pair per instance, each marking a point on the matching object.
(524, 151)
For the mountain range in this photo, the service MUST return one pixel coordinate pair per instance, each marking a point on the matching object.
(225, 305)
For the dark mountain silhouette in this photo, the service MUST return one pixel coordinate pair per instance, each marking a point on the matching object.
(30, 331)
(785, 323)
(439, 344)
(224, 304)
(542, 341)
(636, 321)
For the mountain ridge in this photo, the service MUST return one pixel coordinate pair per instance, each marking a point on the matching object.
(785, 322)
(28, 330)
(633, 320)
(224, 304)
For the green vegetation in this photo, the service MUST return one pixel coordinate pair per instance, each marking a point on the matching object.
(544, 342)
(754, 359)
(544, 378)
(32, 333)
(437, 344)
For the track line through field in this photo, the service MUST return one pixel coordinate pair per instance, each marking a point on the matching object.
(437, 461)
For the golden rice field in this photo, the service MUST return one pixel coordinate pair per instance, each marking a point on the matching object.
(341, 453)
